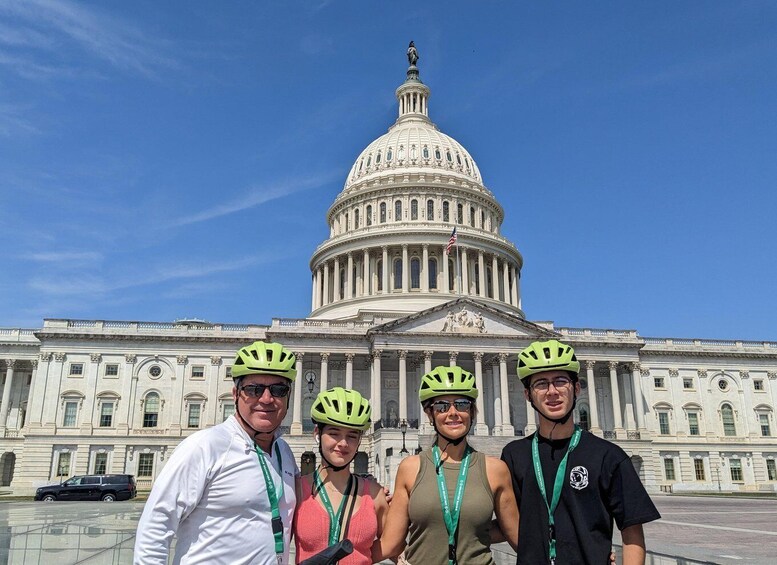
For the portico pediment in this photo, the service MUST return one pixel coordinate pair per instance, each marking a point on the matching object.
(465, 317)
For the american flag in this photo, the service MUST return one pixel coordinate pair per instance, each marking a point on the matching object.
(451, 242)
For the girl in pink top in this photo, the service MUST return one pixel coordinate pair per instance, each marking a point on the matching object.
(332, 502)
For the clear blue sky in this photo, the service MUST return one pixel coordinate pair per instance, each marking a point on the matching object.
(161, 160)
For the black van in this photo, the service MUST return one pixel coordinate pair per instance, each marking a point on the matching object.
(90, 487)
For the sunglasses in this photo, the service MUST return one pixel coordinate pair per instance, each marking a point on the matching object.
(460, 404)
(559, 383)
(278, 390)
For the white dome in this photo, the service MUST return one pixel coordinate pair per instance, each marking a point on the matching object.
(413, 145)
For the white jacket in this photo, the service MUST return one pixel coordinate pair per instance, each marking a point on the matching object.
(212, 496)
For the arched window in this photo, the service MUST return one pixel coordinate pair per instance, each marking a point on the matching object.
(382, 212)
(356, 219)
(398, 211)
(482, 220)
(477, 278)
(414, 209)
(347, 221)
(489, 283)
(342, 284)
(401, 153)
(426, 152)
(353, 281)
(472, 216)
(151, 410)
(451, 275)
(437, 154)
(379, 272)
(389, 155)
(415, 273)
(369, 215)
(448, 156)
(458, 159)
(446, 212)
(432, 273)
(361, 164)
(369, 161)
(583, 418)
(727, 416)
(377, 158)
(430, 210)
(413, 153)
(397, 274)
(459, 213)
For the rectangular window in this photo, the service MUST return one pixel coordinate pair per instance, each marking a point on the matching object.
(229, 372)
(106, 414)
(736, 470)
(758, 384)
(663, 423)
(194, 415)
(63, 465)
(658, 382)
(112, 370)
(693, 423)
(100, 463)
(766, 430)
(150, 419)
(69, 419)
(771, 469)
(687, 383)
(76, 368)
(198, 371)
(146, 465)
(698, 468)
(227, 410)
(669, 469)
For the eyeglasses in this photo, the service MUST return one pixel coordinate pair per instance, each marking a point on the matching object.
(277, 390)
(460, 404)
(559, 383)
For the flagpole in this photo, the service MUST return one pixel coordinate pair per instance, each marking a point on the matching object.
(458, 267)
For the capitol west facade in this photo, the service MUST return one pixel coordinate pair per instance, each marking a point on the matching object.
(388, 304)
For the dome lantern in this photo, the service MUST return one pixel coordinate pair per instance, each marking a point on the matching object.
(413, 95)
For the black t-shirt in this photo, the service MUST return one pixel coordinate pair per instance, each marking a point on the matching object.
(600, 485)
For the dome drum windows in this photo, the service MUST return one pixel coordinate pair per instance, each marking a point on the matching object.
(415, 273)
(432, 269)
(382, 212)
(430, 210)
(368, 219)
(401, 153)
(446, 211)
(437, 155)
(414, 209)
(398, 211)
(356, 219)
(389, 155)
(425, 152)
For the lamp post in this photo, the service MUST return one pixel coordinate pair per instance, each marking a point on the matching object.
(310, 377)
(716, 468)
(403, 429)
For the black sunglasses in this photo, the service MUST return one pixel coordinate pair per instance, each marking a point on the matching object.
(278, 390)
(460, 404)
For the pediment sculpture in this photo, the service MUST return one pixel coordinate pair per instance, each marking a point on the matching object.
(464, 321)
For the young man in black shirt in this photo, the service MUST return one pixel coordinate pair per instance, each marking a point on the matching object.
(570, 484)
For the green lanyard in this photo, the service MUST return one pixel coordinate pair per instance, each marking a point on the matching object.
(334, 519)
(451, 517)
(557, 486)
(277, 523)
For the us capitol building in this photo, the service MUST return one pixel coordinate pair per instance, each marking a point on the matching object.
(388, 304)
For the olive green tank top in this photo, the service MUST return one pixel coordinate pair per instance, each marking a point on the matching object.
(428, 541)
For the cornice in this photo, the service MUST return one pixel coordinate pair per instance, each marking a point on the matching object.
(70, 336)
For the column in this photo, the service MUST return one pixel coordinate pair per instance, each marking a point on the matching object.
(531, 419)
(211, 405)
(506, 282)
(5, 403)
(494, 278)
(514, 292)
(636, 371)
(402, 384)
(385, 272)
(428, 361)
(497, 398)
(507, 426)
(366, 273)
(325, 299)
(481, 275)
(518, 288)
(375, 385)
(425, 268)
(38, 392)
(324, 371)
(405, 269)
(593, 407)
(90, 393)
(349, 370)
(296, 415)
(616, 399)
(51, 400)
(446, 275)
(349, 277)
(124, 407)
(33, 380)
(481, 429)
(336, 281)
(452, 356)
(464, 290)
(177, 421)
(313, 294)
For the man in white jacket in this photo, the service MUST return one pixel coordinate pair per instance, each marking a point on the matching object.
(227, 493)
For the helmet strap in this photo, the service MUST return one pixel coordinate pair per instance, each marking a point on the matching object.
(329, 464)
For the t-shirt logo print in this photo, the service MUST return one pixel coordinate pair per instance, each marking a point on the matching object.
(578, 477)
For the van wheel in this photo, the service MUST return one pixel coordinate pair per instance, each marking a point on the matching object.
(109, 497)
(49, 498)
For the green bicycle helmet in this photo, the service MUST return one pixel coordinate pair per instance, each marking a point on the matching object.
(341, 407)
(444, 380)
(551, 355)
(264, 358)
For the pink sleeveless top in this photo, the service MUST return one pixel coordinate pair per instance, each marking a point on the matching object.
(311, 527)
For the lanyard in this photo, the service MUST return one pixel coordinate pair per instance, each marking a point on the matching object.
(451, 517)
(557, 486)
(277, 523)
(335, 520)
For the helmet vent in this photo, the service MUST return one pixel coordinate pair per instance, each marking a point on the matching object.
(348, 407)
(546, 351)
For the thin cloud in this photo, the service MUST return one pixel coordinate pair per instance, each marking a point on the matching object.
(65, 256)
(13, 122)
(258, 196)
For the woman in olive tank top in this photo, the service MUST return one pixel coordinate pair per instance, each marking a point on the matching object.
(445, 496)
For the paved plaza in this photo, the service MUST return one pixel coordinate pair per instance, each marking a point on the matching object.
(700, 529)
